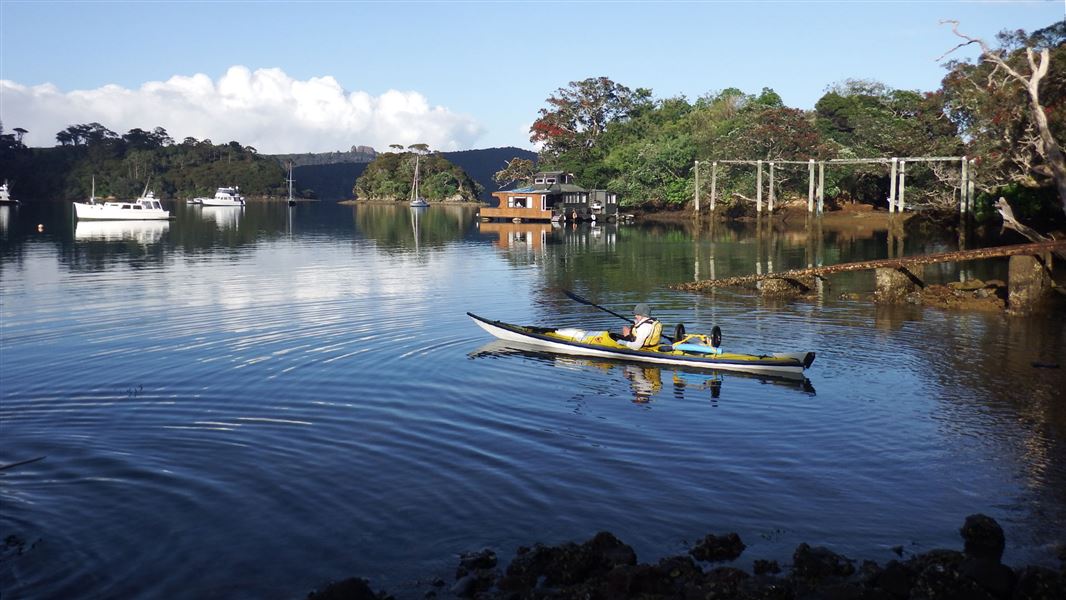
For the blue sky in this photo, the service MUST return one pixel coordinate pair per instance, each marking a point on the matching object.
(314, 76)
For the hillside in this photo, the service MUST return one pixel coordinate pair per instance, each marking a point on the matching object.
(482, 164)
(333, 182)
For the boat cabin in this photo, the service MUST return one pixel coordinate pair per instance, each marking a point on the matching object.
(553, 196)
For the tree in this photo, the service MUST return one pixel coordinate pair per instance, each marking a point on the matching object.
(578, 114)
(998, 103)
(517, 170)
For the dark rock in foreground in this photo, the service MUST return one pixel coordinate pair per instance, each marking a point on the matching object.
(606, 568)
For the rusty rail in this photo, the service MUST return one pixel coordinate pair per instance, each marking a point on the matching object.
(887, 263)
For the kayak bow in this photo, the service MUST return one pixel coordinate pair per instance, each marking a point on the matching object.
(562, 341)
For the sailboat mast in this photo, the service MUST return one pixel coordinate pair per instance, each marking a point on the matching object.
(416, 179)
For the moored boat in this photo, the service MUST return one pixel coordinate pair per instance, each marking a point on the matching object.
(5, 195)
(224, 196)
(687, 352)
(417, 201)
(145, 208)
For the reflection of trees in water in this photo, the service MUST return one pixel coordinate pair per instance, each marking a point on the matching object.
(395, 226)
(996, 390)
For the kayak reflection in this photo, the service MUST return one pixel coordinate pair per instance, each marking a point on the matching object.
(647, 381)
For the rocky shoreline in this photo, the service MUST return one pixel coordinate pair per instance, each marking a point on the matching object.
(605, 567)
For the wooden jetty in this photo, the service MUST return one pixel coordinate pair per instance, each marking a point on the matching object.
(1029, 274)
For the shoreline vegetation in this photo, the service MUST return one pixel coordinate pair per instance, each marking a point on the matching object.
(605, 567)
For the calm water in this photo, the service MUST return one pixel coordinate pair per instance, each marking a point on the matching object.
(252, 402)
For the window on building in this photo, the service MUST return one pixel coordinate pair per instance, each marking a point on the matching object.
(538, 180)
(550, 180)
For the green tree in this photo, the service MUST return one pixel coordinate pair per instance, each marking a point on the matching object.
(577, 115)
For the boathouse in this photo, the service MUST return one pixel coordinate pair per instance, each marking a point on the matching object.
(553, 196)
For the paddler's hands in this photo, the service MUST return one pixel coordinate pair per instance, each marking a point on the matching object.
(626, 331)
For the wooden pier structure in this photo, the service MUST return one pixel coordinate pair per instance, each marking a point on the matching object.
(1029, 274)
(897, 167)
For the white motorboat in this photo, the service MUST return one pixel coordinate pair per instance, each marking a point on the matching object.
(224, 196)
(5, 195)
(145, 208)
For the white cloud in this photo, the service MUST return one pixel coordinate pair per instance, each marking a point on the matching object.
(264, 108)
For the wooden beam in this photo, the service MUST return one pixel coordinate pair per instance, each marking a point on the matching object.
(771, 206)
(697, 187)
(963, 187)
(758, 191)
(714, 180)
(902, 184)
(892, 263)
(892, 187)
(821, 187)
(810, 186)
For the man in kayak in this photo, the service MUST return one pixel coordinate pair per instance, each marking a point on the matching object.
(645, 331)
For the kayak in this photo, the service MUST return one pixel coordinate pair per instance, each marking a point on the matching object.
(688, 352)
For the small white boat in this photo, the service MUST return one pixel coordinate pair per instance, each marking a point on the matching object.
(145, 208)
(5, 195)
(224, 196)
(417, 200)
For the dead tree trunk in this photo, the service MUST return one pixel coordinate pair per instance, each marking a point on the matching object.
(1048, 148)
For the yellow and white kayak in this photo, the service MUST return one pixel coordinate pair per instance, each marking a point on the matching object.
(686, 353)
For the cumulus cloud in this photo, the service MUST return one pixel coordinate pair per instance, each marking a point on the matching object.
(264, 108)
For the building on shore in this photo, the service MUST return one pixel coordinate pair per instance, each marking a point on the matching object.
(553, 196)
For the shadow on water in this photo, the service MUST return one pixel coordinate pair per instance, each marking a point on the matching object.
(646, 381)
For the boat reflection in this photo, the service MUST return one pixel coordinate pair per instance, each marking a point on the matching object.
(225, 217)
(416, 219)
(145, 232)
(646, 381)
(5, 217)
(531, 236)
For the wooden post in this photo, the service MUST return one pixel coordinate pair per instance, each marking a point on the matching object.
(810, 186)
(697, 188)
(902, 185)
(963, 185)
(758, 191)
(714, 180)
(893, 285)
(971, 182)
(892, 186)
(771, 206)
(821, 187)
(1028, 282)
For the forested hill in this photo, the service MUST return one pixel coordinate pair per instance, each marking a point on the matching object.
(481, 165)
(332, 182)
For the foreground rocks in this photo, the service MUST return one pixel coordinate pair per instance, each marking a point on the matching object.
(605, 567)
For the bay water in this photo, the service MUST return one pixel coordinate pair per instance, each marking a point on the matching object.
(251, 402)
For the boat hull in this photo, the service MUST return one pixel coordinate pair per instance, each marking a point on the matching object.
(104, 212)
(214, 202)
(792, 363)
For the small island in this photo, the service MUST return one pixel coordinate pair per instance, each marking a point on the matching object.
(390, 178)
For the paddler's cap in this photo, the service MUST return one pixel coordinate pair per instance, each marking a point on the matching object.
(642, 309)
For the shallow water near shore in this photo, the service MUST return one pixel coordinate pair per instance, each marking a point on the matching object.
(252, 402)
